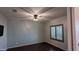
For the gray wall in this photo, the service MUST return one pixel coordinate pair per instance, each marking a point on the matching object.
(61, 20)
(21, 33)
(24, 32)
(3, 39)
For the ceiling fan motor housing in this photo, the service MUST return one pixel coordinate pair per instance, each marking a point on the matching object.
(35, 16)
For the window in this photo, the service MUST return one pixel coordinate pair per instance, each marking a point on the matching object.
(57, 32)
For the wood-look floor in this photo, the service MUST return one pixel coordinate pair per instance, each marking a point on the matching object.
(36, 47)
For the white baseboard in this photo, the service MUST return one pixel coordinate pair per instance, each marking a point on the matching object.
(3, 49)
(22, 45)
(57, 46)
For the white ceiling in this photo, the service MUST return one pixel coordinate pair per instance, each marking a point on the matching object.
(44, 13)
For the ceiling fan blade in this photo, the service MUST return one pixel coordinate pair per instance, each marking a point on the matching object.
(27, 9)
(46, 17)
(22, 17)
(45, 10)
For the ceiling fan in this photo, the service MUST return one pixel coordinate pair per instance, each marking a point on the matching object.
(32, 13)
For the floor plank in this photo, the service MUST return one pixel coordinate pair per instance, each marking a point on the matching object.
(37, 47)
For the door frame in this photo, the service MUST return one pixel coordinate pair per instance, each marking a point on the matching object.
(70, 28)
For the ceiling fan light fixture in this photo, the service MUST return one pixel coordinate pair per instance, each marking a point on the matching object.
(35, 17)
